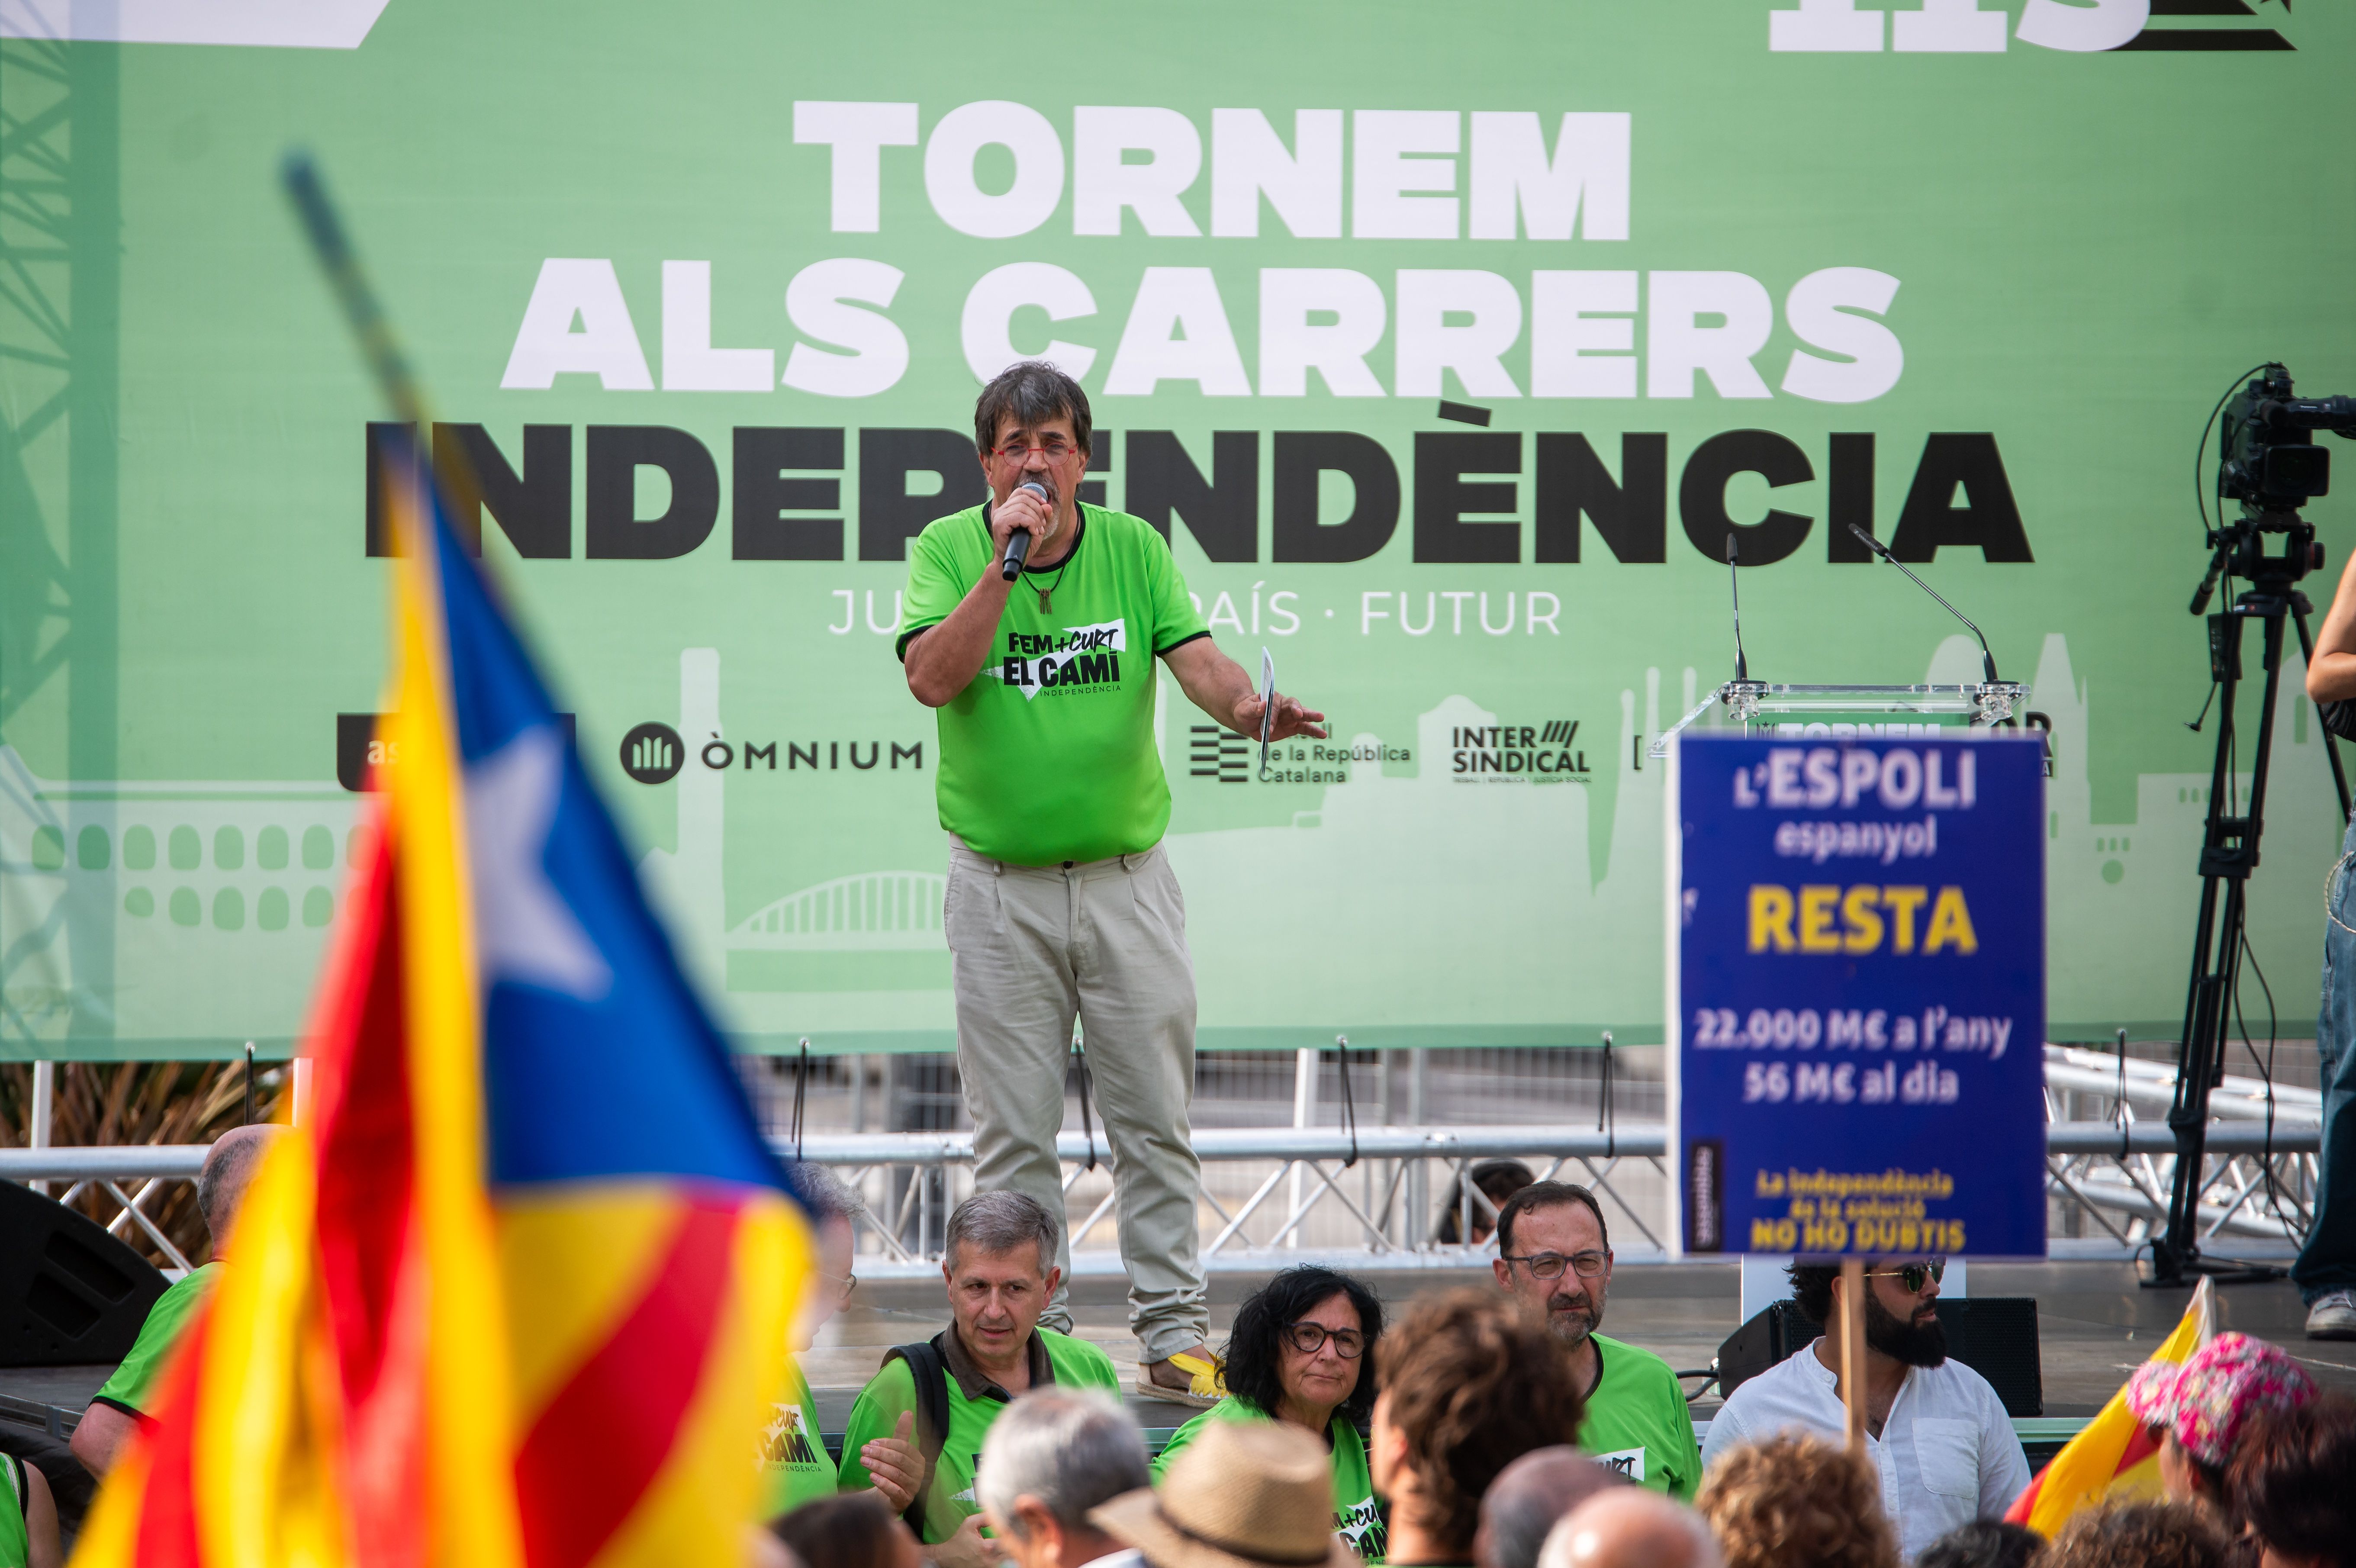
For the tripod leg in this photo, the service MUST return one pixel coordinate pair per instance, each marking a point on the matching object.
(2175, 1249)
(2330, 741)
(2228, 856)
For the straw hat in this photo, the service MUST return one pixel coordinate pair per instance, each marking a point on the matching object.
(1242, 1495)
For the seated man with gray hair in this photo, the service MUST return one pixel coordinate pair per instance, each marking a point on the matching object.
(116, 1410)
(1052, 1457)
(917, 1431)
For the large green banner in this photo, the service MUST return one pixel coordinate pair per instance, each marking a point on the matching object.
(1447, 346)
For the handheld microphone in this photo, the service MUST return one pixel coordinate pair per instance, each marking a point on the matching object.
(1018, 544)
(1987, 660)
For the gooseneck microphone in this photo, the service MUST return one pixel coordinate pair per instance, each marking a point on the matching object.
(1987, 660)
(1018, 544)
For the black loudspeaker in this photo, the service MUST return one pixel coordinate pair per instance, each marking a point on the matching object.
(1772, 1335)
(70, 1295)
(1995, 1336)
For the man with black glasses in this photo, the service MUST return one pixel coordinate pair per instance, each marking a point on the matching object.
(1936, 1433)
(1554, 1255)
(1061, 902)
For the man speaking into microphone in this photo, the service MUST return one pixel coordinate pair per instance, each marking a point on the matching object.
(1033, 625)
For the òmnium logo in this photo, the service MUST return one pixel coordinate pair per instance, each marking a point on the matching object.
(1516, 754)
(653, 754)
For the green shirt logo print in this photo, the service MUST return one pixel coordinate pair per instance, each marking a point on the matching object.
(1077, 656)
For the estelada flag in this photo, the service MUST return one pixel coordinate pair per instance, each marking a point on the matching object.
(517, 1292)
(2114, 1456)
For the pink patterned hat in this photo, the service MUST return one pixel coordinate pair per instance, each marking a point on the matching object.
(2208, 1399)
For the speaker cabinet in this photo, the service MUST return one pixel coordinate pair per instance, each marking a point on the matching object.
(1995, 1336)
(70, 1295)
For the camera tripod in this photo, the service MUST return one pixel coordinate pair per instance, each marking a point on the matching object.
(2229, 853)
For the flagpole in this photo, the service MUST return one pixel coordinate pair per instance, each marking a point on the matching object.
(1852, 1347)
(366, 314)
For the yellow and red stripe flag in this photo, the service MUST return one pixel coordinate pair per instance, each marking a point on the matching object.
(516, 1293)
(2112, 1456)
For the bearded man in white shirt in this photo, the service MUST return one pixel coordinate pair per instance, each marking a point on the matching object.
(1936, 1433)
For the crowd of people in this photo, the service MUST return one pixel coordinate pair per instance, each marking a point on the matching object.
(1494, 1427)
(1497, 1428)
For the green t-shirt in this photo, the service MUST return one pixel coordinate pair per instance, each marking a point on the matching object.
(1637, 1421)
(1357, 1517)
(134, 1383)
(1075, 1363)
(795, 1465)
(1049, 754)
(16, 1503)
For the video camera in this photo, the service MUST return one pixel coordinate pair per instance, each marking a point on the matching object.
(2267, 463)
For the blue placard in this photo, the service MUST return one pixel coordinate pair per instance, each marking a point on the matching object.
(1857, 1011)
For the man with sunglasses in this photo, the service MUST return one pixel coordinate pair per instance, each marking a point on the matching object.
(1060, 901)
(1936, 1433)
(1554, 1256)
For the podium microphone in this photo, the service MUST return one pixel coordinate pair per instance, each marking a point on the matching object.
(1987, 660)
(1018, 544)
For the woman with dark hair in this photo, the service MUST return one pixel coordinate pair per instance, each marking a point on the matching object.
(1302, 1353)
(2294, 1478)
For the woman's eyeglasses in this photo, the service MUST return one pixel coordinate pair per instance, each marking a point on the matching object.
(1309, 1337)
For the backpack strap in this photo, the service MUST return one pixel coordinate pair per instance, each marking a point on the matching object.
(930, 1369)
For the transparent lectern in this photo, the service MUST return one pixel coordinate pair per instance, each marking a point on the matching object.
(1763, 705)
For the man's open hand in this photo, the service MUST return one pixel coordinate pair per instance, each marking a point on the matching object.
(1291, 719)
(894, 1464)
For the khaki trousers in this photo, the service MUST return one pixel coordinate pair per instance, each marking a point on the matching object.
(1030, 948)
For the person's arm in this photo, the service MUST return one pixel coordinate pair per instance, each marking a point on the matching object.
(45, 1545)
(1726, 1431)
(2332, 677)
(1685, 1474)
(1219, 686)
(2004, 1466)
(99, 1436)
(943, 659)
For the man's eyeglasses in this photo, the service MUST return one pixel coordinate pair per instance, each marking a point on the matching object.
(842, 1285)
(1309, 1337)
(1055, 448)
(1912, 1275)
(1549, 1265)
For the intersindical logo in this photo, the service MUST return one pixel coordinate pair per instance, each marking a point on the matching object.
(1543, 753)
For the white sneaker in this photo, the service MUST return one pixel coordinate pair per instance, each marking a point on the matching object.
(2334, 1316)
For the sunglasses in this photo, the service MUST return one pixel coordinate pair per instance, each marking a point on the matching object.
(1912, 1275)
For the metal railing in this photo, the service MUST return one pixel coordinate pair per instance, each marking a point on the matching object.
(1277, 1194)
